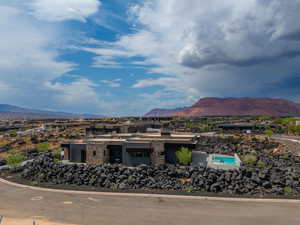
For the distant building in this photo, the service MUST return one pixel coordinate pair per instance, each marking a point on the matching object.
(242, 127)
(153, 130)
(123, 128)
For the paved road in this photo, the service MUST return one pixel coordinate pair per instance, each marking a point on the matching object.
(18, 204)
(285, 137)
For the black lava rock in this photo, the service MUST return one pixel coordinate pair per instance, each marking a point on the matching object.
(279, 172)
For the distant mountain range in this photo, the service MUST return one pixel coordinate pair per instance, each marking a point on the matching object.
(233, 106)
(164, 112)
(15, 112)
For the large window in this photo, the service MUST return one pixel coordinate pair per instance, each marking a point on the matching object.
(139, 154)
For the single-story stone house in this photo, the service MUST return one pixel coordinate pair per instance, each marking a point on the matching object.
(128, 149)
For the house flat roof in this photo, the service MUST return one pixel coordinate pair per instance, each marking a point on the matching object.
(140, 140)
(106, 140)
(139, 137)
(148, 135)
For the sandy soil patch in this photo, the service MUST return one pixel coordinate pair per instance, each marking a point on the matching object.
(38, 221)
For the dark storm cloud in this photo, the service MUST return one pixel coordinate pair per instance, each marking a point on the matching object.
(265, 32)
(218, 48)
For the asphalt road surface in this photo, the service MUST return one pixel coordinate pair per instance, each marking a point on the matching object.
(293, 138)
(22, 206)
(285, 137)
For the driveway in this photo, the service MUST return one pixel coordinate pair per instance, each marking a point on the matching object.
(20, 206)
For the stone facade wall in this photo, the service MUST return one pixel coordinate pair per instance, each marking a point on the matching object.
(66, 153)
(97, 153)
(157, 156)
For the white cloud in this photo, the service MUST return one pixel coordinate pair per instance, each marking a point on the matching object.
(112, 83)
(213, 48)
(80, 91)
(207, 33)
(108, 55)
(105, 62)
(25, 57)
(59, 10)
(161, 99)
(29, 68)
(112, 52)
(31, 74)
(5, 88)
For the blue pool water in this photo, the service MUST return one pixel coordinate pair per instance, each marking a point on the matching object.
(225, 160)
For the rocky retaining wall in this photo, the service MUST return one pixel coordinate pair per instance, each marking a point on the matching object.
(278, 179)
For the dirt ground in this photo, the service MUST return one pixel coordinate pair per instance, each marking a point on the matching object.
(33, 221)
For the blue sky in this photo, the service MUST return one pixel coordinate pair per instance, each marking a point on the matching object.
(124, 58)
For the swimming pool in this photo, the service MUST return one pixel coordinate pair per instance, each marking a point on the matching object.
(225, 160)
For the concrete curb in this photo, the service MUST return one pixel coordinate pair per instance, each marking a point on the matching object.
(183, 197)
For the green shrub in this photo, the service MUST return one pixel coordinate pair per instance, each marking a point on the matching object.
(286, 121)
(115, 187)
(43, 147)
(41, 175)
(253, 152)
(13, 132)
(261, 164)
(188, 189)
(184, 156)
(56, 160)
(261, 118)
(34, 183)
(56, 154)
(285, 156)
(92, 180)
(269, 132)
(287, 190)
(295, 128)
(2, 173)
(130, 178)
(14, 160)
(250, 159)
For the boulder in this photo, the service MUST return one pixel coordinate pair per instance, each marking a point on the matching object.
(3, 168)
(2, 162)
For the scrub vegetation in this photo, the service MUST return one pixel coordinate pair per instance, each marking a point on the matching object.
(14, 160)
(184, 156)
